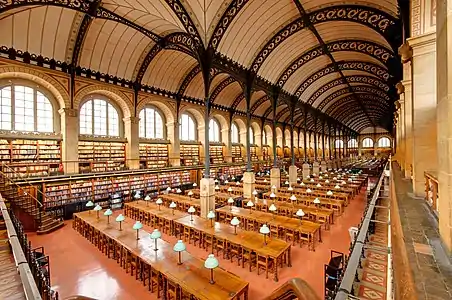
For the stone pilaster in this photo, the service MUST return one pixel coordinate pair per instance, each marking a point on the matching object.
(275, 177)
(226, 139)
(69, 147)
(316, 168)
(293, 175)
(207, 196)
(424, 109)
(306, 171)
(248, 184)
(174, 147)
(131, 133)
(323, 166)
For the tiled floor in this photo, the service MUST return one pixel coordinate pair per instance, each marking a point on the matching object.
(78, 268)
(10, 283)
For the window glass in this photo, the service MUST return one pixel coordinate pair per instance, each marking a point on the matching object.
(186, 128)
(44, 112)
(368, 143)
(99, 117)
(384, 142)
(214, 131)
(339, 144)
(151, 124)
(5, 108)
(264, 138)
(353, 143)
(234, 133)
(251, 135)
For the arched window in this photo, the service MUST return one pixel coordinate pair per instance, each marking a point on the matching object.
(24, 108)
(99, 117)
(384, 142)
(151, 123)
(187, 128)
(234, 133)
(251, 135)
(368, 143)
(353, 143)
(264, 138)
(339, 144)
(214, 131)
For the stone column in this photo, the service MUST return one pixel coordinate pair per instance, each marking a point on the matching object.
(248, 184)
(69, 147)
(174, 147)
(401, 125)
(316, 168)
(202, 140)
(424, 109)
(323, 166)
(293, 175)
(306, 171)
(131, 133)
(275, 177)
(444, 111)
(258, 143)
(207, 196)
(226, 139)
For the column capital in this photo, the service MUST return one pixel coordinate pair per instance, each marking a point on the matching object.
(132, 120)
(405, 52)
(69, 112)
(400, 88)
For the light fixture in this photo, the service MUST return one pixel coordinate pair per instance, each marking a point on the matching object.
(237, 183)
(235, 222)
(308, 190)
(108, 213)
(334, 178)
(230, 189)
(178, 191)
(179, 247)
(286, 182)
(302, 184)
(97, 209)
(314, 174)
(290, 188)
(211, 216)
(89, 204)
(254, 193)
(300, 214)
(216, 181)
(137, 226)
(343, 182)
(293, 199)
(265, 180)
(317, 202)
(211, 263)
(230, 202)
(250, 204)
(195, 184)
(147, 199)
(327, 181)
(337, 186)
(318, 185)
(326, 175)
(137, 195)
(264, 230)
(168, 189)
(191, 211)
(272, 196)
(320, 177)
(226, 181)
(242, 179)
(190, 194)
(329, 193)
(120, 219)
(159, 202)
(307, 177)
(298, 179)
(172, 206)
(217, 188)
(233, 178)
(350, 179)
(312, 180)
(155, 235)
(273, 209)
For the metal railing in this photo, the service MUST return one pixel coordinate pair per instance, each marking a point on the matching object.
(354, 260)
(32, 264)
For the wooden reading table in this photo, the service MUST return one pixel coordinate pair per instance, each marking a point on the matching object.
(158, 269)
(183, 202)
(221, 198)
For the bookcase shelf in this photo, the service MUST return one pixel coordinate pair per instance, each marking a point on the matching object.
(189, 155)
(216, 154)
(253, 152)
(265, 152)
(153, 156)
(237, 154)
(101, 156)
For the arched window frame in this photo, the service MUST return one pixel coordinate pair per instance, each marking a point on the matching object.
(384, 142)
(192, 136)
(252, 141)
(352, 143)
(214, 131)
(144, 123)
(367, 143)
(4, 83)
(339, 144)
(235, 136)
(118, 110)
(264, 138)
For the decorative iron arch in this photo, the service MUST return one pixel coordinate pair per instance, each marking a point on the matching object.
(259, 102)
(237, 101)
(362, 97)
(221, 86)
(190, 76)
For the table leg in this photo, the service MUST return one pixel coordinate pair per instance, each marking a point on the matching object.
(275, 270)
(289, 257)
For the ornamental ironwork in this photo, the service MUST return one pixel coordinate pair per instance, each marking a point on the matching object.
(355, 89)
(146, 62)
(190, 76)
(185, 19)
(237, 101)
(259, 102)
(220, 87)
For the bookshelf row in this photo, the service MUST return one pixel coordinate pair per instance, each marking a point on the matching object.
(216, 154)
(237, 154)
(153, 156)
(189, 155)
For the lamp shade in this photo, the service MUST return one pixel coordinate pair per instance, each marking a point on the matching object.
(215, 181)
(329, 193)
(156, 234)
(211, 262)
(314, 174)
(272, 195)
(120, 218)
(286, 182)
(168, 189)
(316, 201)
(108, 212)
(290, 189)
(264, 229)
(293, 198)
(211, 215)
(147, 198)
(308, 190)
(298, 179)
(274, 187)
(300, 213)
(327, 181)
(343, 182)
(195, 184)
(179, 246)
(89, 204)
(230, 200)
(226, 181)
(318, 185)
(235, 221)
(178, 191)
(272, 208)
(302, 183)
(334, 178)
(137, 225)
(242, 179)
(97, 207)
(350, 180)
(159, 201)
(191, 210)
(190, 193)
(137, 195)
(250, 203)
(337, 186)
(326, 175)
(320, 177)
(217, 188)
(172, 205)
(254, 193)
(308, 177)
(312, 180)
(265, 180)
(237, 183)
(229, 189)
(233, 178)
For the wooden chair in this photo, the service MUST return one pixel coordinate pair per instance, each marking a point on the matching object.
(263, 262)
(274, 231)
(196, 237)
(248, 256)
(290, 235)
(235, 251)
(220, 245)
(155, 282)
(172, 290)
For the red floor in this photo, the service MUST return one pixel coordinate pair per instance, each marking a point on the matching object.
(78, 268)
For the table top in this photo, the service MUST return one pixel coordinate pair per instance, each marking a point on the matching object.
(163, 212)
(286, 195)
(191, 275)
(181, 198)
(295, 207)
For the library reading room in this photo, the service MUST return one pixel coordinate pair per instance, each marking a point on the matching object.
(225, 149)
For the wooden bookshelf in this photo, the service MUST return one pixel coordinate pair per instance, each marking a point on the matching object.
(237, 154)
(266, 153)
(153, 156)
(253, 153)
(189, 155)
(101, 156)
(233, 170)
(216, 154)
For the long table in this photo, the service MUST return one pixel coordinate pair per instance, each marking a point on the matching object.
(276, 252)
(220, 197)
(190, 278)
(301, 230)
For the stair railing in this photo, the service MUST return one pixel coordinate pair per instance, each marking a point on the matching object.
(19, 194)
(295, 288)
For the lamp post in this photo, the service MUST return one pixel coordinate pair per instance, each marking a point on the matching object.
(300, 214)
(97, 209)
(172, 206)
(235, 222)
(250, 204)
(168, 189)
(155, 235)
(317, 202)
(179, 247)
(108, 213)
(178, 191)
(190, 194)
(120, 219)
(211, 216)
(137, 226)
(230, 190)
(211, 263)
(254, 193)
(89, 204)
(191, 211)
(293, 199)
(230, 202)
(147, 199)
(272, 209)
(159, 202)
(264, 230)
(195, 185)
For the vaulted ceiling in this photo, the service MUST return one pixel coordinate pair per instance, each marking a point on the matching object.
(336, 59)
